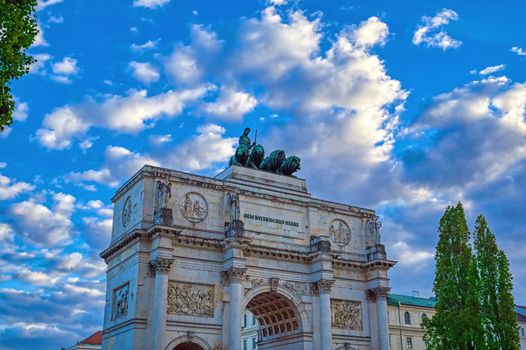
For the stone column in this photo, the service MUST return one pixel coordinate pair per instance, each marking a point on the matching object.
(233, 277)
(323, 287)
(160, 266)
(379, 294)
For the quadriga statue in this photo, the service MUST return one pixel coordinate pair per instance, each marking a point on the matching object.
(256, 155)
(289, 166)
(240, 157)
(273, 161)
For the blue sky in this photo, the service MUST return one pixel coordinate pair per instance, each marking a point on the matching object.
(400, 107)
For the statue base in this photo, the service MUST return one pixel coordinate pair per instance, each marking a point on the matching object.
(376, 252)
(163, 216)
(235, 228)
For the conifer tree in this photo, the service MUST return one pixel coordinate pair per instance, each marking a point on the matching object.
(506, 326)
(457, 323)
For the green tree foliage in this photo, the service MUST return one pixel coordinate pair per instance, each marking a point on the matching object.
(18, 30)
(475, 306)
(457, 324)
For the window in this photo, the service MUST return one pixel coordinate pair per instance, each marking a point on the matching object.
(245, 320)
(409, 341)
(253, 320)
(424, 317)
(254, 343)
(407, 318)
(245, 344)
(522, 331)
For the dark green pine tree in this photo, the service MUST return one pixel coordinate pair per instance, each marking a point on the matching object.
(457, 324)
(497, 304)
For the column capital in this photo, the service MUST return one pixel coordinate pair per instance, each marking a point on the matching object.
(233, 275)
(323, 286)
(161, 265)
(378, 293)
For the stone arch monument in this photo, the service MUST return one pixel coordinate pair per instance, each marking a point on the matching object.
(190, 253)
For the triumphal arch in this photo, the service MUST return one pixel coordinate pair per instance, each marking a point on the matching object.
(190, 253)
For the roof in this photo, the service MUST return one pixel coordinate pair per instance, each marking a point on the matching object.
(395, 299)
(94, 339)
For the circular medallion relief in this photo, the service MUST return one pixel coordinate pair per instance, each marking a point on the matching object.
(194, 207)
(126, 211)
(340, 232)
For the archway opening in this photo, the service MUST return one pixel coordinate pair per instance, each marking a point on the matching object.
(188, 346)
(278, 324)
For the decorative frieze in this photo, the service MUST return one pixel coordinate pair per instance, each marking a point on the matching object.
(273, 283)
(120, 302)
(161, 265)
(233, 275)
(190, 299)
(346, 314)
(297, 288)
(377, 293)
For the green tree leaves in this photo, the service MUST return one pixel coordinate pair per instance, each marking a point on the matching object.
(18, 30)
(475, 307)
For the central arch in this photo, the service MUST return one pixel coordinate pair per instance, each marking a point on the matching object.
(188, 346)
(280, 322)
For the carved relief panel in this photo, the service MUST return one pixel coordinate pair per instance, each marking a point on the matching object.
(190, 299)
(346, 314)
(340, 232)
(194, 207)
(120, 301)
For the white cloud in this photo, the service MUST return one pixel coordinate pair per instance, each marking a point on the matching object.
(231, 104)
(370, 32)
(122, 113)
(410, 256)
(38, 67)
(39, 39)
(37, 278)
(158, 140)
(119, 164)
(68, 66)
(99, 231)
(144, 72)
(203, 151)
(55, 19)
(21, 109)
(187, 63)
(63, 70)
(492, 69)
(6, 233)
(150, 3)
(41, 225)
(482, 131)
(518, 50)
(147, 45)
(42, 4)
(10, 188)
(430, 33)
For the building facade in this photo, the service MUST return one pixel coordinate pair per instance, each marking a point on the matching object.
(521, 318)
(190, 253)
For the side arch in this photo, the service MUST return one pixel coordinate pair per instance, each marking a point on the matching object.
(193, 339)
(282, 316)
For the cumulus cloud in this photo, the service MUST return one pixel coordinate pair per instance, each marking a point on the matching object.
(231, 104)
(41, 225)
(119, 164)
(430, 32)
(64, 70)
(6, 233)
(479, 134)
(39, 39)
(121, 113)
(158, 140)
(187, 63)
(151, 4)
(144, 72)
(370, 33)
(492, 69)
(38, 67)
(203, 151)
(10, 188)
